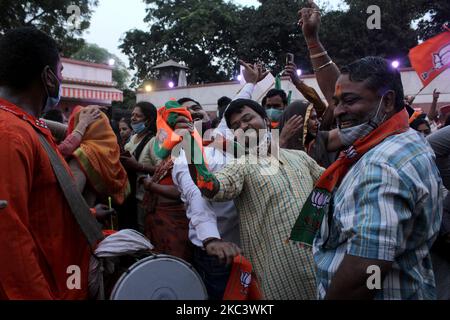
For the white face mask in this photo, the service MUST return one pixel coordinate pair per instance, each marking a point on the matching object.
(52, 102)
(350, 135)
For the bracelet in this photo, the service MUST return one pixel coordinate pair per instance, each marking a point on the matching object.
(314, 45)
(323, 66)
(318, 55)
(79, 132)
(205, 243)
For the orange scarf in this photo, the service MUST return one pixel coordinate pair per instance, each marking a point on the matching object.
(98, 157)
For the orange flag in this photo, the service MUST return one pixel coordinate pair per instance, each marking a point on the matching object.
(242, 284)
(431, 57)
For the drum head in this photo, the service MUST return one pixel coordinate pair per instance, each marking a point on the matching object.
(160, 277)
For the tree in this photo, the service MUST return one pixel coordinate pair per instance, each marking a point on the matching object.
(210, 35)
(438, 13)
(197, 32)
(347, 37)
(269, 32)
(94, 53)
(49, 16)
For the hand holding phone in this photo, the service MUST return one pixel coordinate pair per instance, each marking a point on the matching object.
(289, 58)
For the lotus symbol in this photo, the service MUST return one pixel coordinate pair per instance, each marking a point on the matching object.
(441, 59)
(162, 136)
(350, 152)
(246, 279)
(319, 199)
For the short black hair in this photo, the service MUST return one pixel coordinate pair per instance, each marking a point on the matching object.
(222, 104)
(184, 100)
(422, 119)
(24, 53)
(127, 121)
(379, 75)
(264, 101)
(237, 105)
(277, 92)
(54, 115)
(150, 114)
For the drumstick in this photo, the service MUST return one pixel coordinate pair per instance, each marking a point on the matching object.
(110, 207)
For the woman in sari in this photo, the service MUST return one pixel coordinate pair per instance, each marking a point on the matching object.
(166, 226)
(138, 161)
(299, 126)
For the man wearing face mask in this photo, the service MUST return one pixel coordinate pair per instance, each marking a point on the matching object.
(275, 103)
(40, 238)
(375, 213)
(269, 186)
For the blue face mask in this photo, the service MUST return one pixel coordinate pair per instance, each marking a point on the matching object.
(52, 102)
(274, 114)
(138, 127)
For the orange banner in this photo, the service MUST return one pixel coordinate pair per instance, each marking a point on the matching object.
(431, 57)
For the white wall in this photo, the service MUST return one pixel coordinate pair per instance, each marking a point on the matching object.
(81, 72)
(208, 95)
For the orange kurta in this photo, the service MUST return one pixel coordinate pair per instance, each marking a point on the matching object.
(39, 238)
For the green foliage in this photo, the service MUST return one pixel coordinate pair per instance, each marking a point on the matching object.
(439, 13)
(199, 32)
(49, 16)
(210, 35)
(128, 103)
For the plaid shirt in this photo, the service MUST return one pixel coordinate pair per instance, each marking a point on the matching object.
(269, 195)
(388, 207)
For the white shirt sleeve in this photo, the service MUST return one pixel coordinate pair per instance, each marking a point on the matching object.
(199, 211)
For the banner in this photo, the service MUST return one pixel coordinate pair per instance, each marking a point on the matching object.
(431, 57)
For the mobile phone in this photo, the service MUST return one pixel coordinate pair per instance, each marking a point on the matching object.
(289, 58)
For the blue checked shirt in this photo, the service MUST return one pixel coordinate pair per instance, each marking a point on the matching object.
(388, 207)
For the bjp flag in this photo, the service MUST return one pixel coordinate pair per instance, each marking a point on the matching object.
(431, 57)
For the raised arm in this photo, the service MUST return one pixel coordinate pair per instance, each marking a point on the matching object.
(326, 71)
(432, 114)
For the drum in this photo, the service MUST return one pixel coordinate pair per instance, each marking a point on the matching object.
(160, 277)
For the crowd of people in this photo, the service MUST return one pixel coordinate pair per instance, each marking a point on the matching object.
(313, 193)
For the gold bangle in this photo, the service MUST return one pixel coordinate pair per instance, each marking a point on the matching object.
(323, 66)
(318, 55)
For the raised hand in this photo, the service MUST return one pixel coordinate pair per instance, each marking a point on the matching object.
(291, 71)
(293, 126)
(310, 20)
(87, 116)
(253, 73)
(436, 94)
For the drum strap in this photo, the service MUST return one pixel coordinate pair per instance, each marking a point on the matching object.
(79, 208)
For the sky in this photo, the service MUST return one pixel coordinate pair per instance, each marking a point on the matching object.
(112, 18)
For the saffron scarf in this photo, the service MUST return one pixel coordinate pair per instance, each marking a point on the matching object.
(316, 206)
(242, 283)
(167, 139)
(98, 157)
